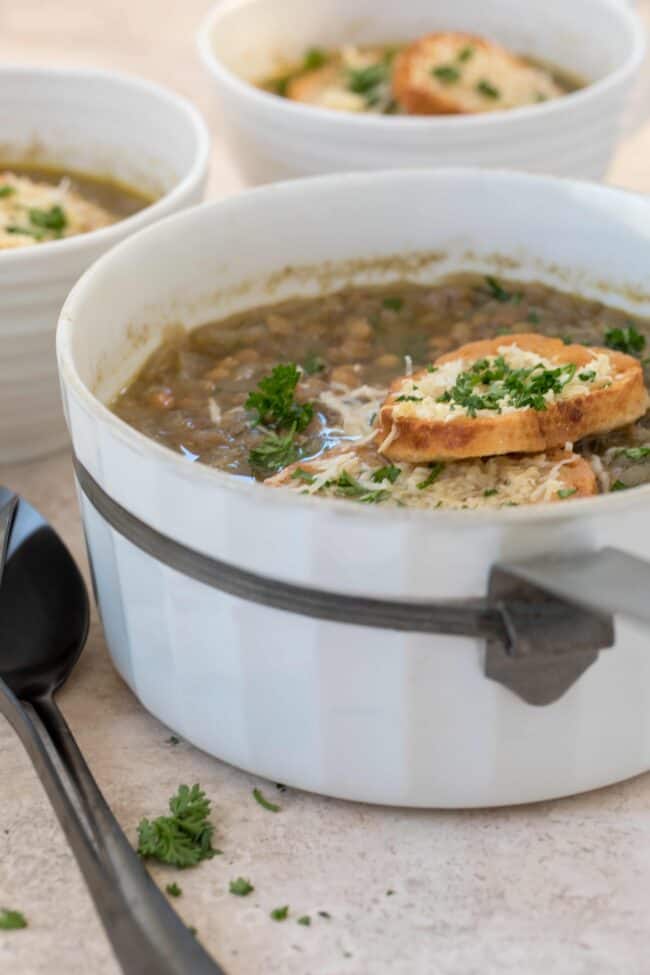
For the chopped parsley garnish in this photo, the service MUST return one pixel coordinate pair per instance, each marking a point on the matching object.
(325, 914)
(533, 317)
(626, 340)
(173, 890)
(486, 88)
(52, 219)
(11, 920)
(301, 475)
(393, 304)
(275, 452)
(314, 58)
(173, 740)
(408, 399)
(432, 368)
(490, 492)
(390, 473)
(566, 492)
(390, 892)
(348, 487)
(362, 81)
(274, 403)
(241, 887)
(636, 453)
(465, 54)
(305, 920)
(433, 475)
(280, 913)
(446, 73)
(264, 803)
(27, 231)
(619, 486)
(499, 293)
(313, 364)
(184, 838)
(504, 386)
(588, 376)
(7, 190)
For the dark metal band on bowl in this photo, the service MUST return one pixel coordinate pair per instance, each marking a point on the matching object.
(537, 644)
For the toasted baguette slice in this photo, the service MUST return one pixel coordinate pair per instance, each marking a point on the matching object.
(325, 87)
(451, 74)
(495, 482)
(415, 426)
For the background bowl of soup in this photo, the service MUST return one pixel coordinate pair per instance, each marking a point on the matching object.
(243, 42)
(206, 580)
(130, 149)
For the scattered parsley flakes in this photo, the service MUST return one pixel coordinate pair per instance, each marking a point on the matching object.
(434, 474)
(487, 89)
(566, 492)
(26, 231)
(490, 492)
(619, 486)
(408, 399)
(11, 920)
(313, 364)
(305, 920)
(393, 304)
(302, 475)
(53, 219)
(520, 388)
(348, 487)
(627, 340)
(173, 740)
(314, 58)
(465, 54)
(264, 803)
(184, 838)
(448, 74)
(241, 887)
(588, 376)
(533, 317)
(173, 890)
(280, 913)
(390, 473)
(499, 293)
(636, 453)
(7, 190)
(366, 81)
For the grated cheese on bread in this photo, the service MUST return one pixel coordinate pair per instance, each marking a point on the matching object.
(424, 418)
(20, 196)
(360, 473)
(456, 73)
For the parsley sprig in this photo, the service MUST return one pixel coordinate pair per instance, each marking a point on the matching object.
(627, 340)
(274, 405)
(183, 838)
(11, 920)
(348, 487)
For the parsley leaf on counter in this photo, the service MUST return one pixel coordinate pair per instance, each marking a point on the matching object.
(11, 920)
(280, 913)
(305, 920)
(626, 340)
(184, 838)
(264, 803)
(173, 890)
(241, 887)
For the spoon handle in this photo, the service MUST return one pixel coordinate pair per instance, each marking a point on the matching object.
(158, 923)
(147, 936)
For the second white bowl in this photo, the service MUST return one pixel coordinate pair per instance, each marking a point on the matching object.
(273, 138)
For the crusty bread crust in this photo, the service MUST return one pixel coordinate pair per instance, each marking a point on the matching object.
(420, 92)
(418, 440)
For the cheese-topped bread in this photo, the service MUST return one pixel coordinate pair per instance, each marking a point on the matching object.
(455, 73)
(512, 394)
(360, 474)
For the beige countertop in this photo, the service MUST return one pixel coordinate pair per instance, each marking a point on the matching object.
(556, 889)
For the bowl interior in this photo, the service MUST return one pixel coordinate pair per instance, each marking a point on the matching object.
(309, 237)
(107, 125)
(589, 37)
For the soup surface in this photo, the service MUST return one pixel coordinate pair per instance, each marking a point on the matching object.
(263, 391)
(40, 205)
(438, 74)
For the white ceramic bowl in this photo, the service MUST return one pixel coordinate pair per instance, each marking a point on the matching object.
(337, 708)
(273, 138)
(103, 124)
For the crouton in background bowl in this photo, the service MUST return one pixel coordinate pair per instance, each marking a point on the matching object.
(245, 42)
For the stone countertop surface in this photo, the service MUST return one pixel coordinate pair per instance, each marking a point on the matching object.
(560, 888)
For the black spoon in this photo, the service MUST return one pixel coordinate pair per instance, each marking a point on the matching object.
(44, 616)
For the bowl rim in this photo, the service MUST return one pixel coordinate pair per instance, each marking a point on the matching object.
(384, 124)
(161, 207)
(179, 465)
